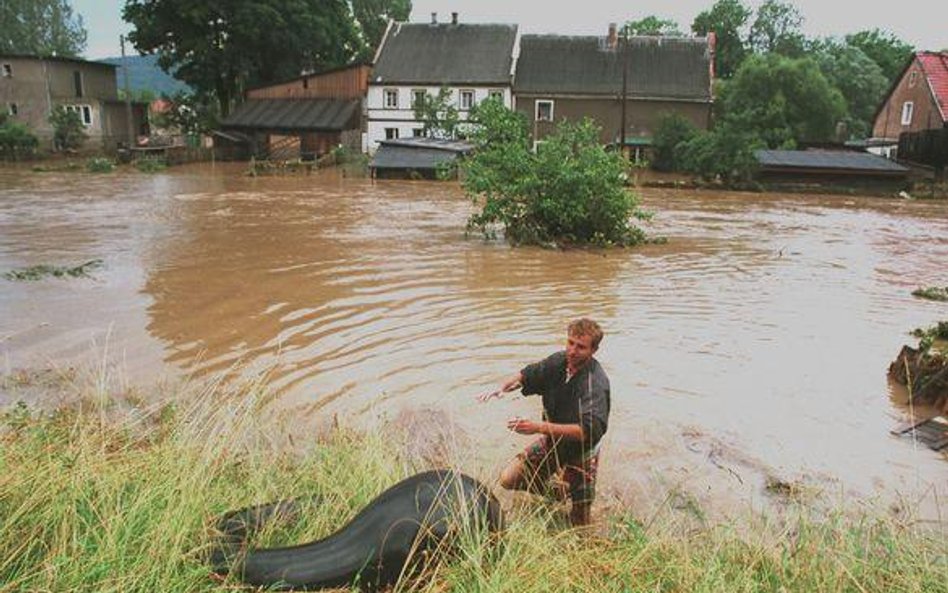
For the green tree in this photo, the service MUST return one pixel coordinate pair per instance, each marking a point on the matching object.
(777, 29)
(673, 129)
(885, 49)
(782, 101)
(373, 16)
(68, 131)
(725, 153)
(438, 114)
(571, 191)
(41, 27)
(727, 19)
(859, 79)
(220, 48)
(651, 25)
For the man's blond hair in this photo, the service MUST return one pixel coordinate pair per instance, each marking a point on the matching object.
(585, 327)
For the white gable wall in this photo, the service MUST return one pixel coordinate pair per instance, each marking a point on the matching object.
(403, 119)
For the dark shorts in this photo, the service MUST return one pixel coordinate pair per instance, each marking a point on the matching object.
(541, 463)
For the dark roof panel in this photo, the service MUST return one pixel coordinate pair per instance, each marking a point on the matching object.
(293, 114)
(663, 67)
(446, 54)
(401, 156)
(826, 159)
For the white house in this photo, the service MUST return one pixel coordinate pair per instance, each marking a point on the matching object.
(473, 61)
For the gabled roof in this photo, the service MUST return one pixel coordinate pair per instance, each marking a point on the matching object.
(827, 160)
(445, 54)
(935, 66)
(56, 59)
(314, 115)
(658, 67)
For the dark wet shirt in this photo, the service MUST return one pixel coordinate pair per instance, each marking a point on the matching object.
(584, 400)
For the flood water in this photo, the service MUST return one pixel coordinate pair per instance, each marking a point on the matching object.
(754, 343)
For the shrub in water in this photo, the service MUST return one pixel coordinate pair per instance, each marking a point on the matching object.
(100, 165)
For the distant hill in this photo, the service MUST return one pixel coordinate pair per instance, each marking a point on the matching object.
(144, 73)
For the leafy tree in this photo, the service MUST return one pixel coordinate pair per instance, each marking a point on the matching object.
(191, 113)
(41, 27)
(220, 48)
(16, 140)
(68, 131)
(859, 79)
(782, 101)
(883, 48)
(726, 19)
(651, 25)
(373, 16)
(777, 29)
(725, 153)
(673, 129)
(438, 114)
(570, 191)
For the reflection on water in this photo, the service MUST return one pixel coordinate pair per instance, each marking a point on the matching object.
(756, 340)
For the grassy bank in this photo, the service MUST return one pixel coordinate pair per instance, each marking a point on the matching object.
(103, 498)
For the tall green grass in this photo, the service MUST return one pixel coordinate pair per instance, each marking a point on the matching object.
(102, 498)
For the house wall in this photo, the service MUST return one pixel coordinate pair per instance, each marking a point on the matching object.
(347, 83)
(642, 116)
(925, 114)
(37, 85)
(403, 119)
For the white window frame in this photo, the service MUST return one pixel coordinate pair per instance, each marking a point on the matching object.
(465, 99)
(537, 144)
(536, 109)
(13, 108)
(908, 110)
(390, 94)
(391, 133)
(496, 95)
(84, 111)
(417, 95)
(8, 70)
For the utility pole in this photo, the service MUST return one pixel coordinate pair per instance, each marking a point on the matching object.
(625, 76)
(129, 128)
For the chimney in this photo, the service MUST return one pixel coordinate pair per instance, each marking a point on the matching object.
(454, 18)
(612, 40)
(434, 18)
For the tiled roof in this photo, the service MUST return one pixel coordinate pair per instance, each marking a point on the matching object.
(445, 54)
(293, 114)
(935, 66)
(828, 160)
(658, 67)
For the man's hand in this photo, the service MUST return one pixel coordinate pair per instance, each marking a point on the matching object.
(523, 426)
(508, 385)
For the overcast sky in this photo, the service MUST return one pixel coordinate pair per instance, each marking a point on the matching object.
(923, 23)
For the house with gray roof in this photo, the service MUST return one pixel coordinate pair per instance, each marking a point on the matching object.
(473, 61)
(571, 77)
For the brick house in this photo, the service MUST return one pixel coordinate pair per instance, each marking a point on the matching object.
(31, 87)
(917, 101)
(572, 77)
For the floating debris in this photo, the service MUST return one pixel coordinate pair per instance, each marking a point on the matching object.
(44, 270)
(932, 432)
(932, 293)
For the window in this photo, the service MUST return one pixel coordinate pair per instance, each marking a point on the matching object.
(907, 108)
(496, 95)
(305, 83)
(544, 110)
(417, 97)
(390, 98)
(538, 145)
(7, 70)
(391, 133)
(12, 108)
(466, 100)
(418, 132)
(913, 78)
(77, 82)
(84, 111)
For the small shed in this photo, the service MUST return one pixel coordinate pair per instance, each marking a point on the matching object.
(417, 157)
(831, 167)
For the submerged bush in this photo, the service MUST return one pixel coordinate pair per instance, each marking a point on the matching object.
(16, 140)
(100, 165)
(151, 164)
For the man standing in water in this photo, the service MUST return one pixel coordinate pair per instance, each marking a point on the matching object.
(575, 392)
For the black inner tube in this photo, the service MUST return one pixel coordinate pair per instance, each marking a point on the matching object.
(373, 549)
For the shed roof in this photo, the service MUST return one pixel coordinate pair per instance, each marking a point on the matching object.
(827, 160)
(445, 54)
(293, 114)
(659, 67)
(418, 153)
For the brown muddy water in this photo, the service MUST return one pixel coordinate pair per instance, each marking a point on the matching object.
(752, 346)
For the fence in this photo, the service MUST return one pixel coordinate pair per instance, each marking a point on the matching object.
(928, 147)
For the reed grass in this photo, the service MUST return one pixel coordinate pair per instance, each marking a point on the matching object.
(102, 498)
